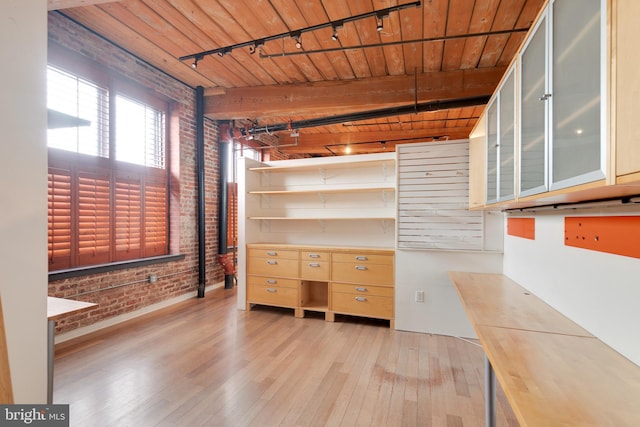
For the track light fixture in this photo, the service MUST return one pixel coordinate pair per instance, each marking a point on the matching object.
(297, 36)
(253, 45)
(257, 45)
(336, 26)
(197, 59)
(379, 20)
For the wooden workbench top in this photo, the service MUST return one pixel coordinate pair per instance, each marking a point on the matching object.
(563, 380)
(496, 300)
(553, 372)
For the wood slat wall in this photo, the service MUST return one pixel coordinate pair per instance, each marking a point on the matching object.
(433, 194)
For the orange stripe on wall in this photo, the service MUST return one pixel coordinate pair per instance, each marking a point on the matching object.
(618, 235)
(522, 227)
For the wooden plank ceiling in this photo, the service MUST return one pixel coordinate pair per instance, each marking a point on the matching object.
(422, 55)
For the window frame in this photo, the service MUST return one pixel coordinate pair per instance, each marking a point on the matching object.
(148, 176)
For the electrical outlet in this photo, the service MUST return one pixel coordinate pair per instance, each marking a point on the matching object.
(153, 278)
(419, 296)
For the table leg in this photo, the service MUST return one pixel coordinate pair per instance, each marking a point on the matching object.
(490, 394)
(51, 326)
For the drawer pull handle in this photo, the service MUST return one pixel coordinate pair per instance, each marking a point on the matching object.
(272, 253)
(361, 267)
(314, 255)
(314, 264)
(272, 262)
(361, 258)
(361, 299)
(272, 281)
(359, 289)
(272, 290)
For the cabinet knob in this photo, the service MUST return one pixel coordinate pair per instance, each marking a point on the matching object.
(272, 253)
(361, 289)
(314, 264)
(361, 258)
(272, 281)
(272, 290)
(545, 97)
(314, 255)
(361, 267)
(361, 299)
(272, 262)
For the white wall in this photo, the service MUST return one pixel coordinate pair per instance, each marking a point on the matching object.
(23, 194)
(599, 291)
(441, 312)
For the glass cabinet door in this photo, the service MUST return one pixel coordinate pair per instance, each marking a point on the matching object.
(576, 153)
(506, 143)
(492, 152)
(534, 98)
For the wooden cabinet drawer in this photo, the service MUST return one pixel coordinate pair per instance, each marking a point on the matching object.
(364, 290)
(362, 305)
(362, 258)
(272, 281)
(366, 273)
(272, 295)
(314, 270)
(314, 256)
(272, 253)
(278, 267)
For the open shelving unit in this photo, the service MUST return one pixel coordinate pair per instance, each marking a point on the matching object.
(330, 202)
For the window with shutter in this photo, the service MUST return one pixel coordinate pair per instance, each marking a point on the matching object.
(59, 218)
(108, 186)
(128, 216)
(155, 217)
(93, 217)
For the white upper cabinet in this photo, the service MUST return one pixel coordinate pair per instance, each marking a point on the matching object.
(533, 111)
(562, 122)
(501, 141)
(577, 137)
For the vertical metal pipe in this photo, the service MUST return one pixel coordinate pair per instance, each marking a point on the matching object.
(202, 266)
(223, 213)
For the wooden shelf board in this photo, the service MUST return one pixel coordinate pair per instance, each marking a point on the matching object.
(325, 190)
(288, 218)
(341, 164)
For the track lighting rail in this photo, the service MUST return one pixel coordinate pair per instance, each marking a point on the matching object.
(397, 42)
(253, 45)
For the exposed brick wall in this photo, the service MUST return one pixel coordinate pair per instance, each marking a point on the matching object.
(124, 291)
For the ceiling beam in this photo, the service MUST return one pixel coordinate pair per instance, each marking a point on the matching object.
(317, 143)
(340, 97)
(66, 4)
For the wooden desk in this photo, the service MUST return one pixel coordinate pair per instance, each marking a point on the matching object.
(552, 371)
(57, 307)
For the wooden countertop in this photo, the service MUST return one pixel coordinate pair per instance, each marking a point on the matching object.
(553, 372)
(496, 300)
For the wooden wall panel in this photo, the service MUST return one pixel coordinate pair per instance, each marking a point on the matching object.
(433, 197)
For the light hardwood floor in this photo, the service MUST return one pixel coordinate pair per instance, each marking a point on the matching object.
(205, 363)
